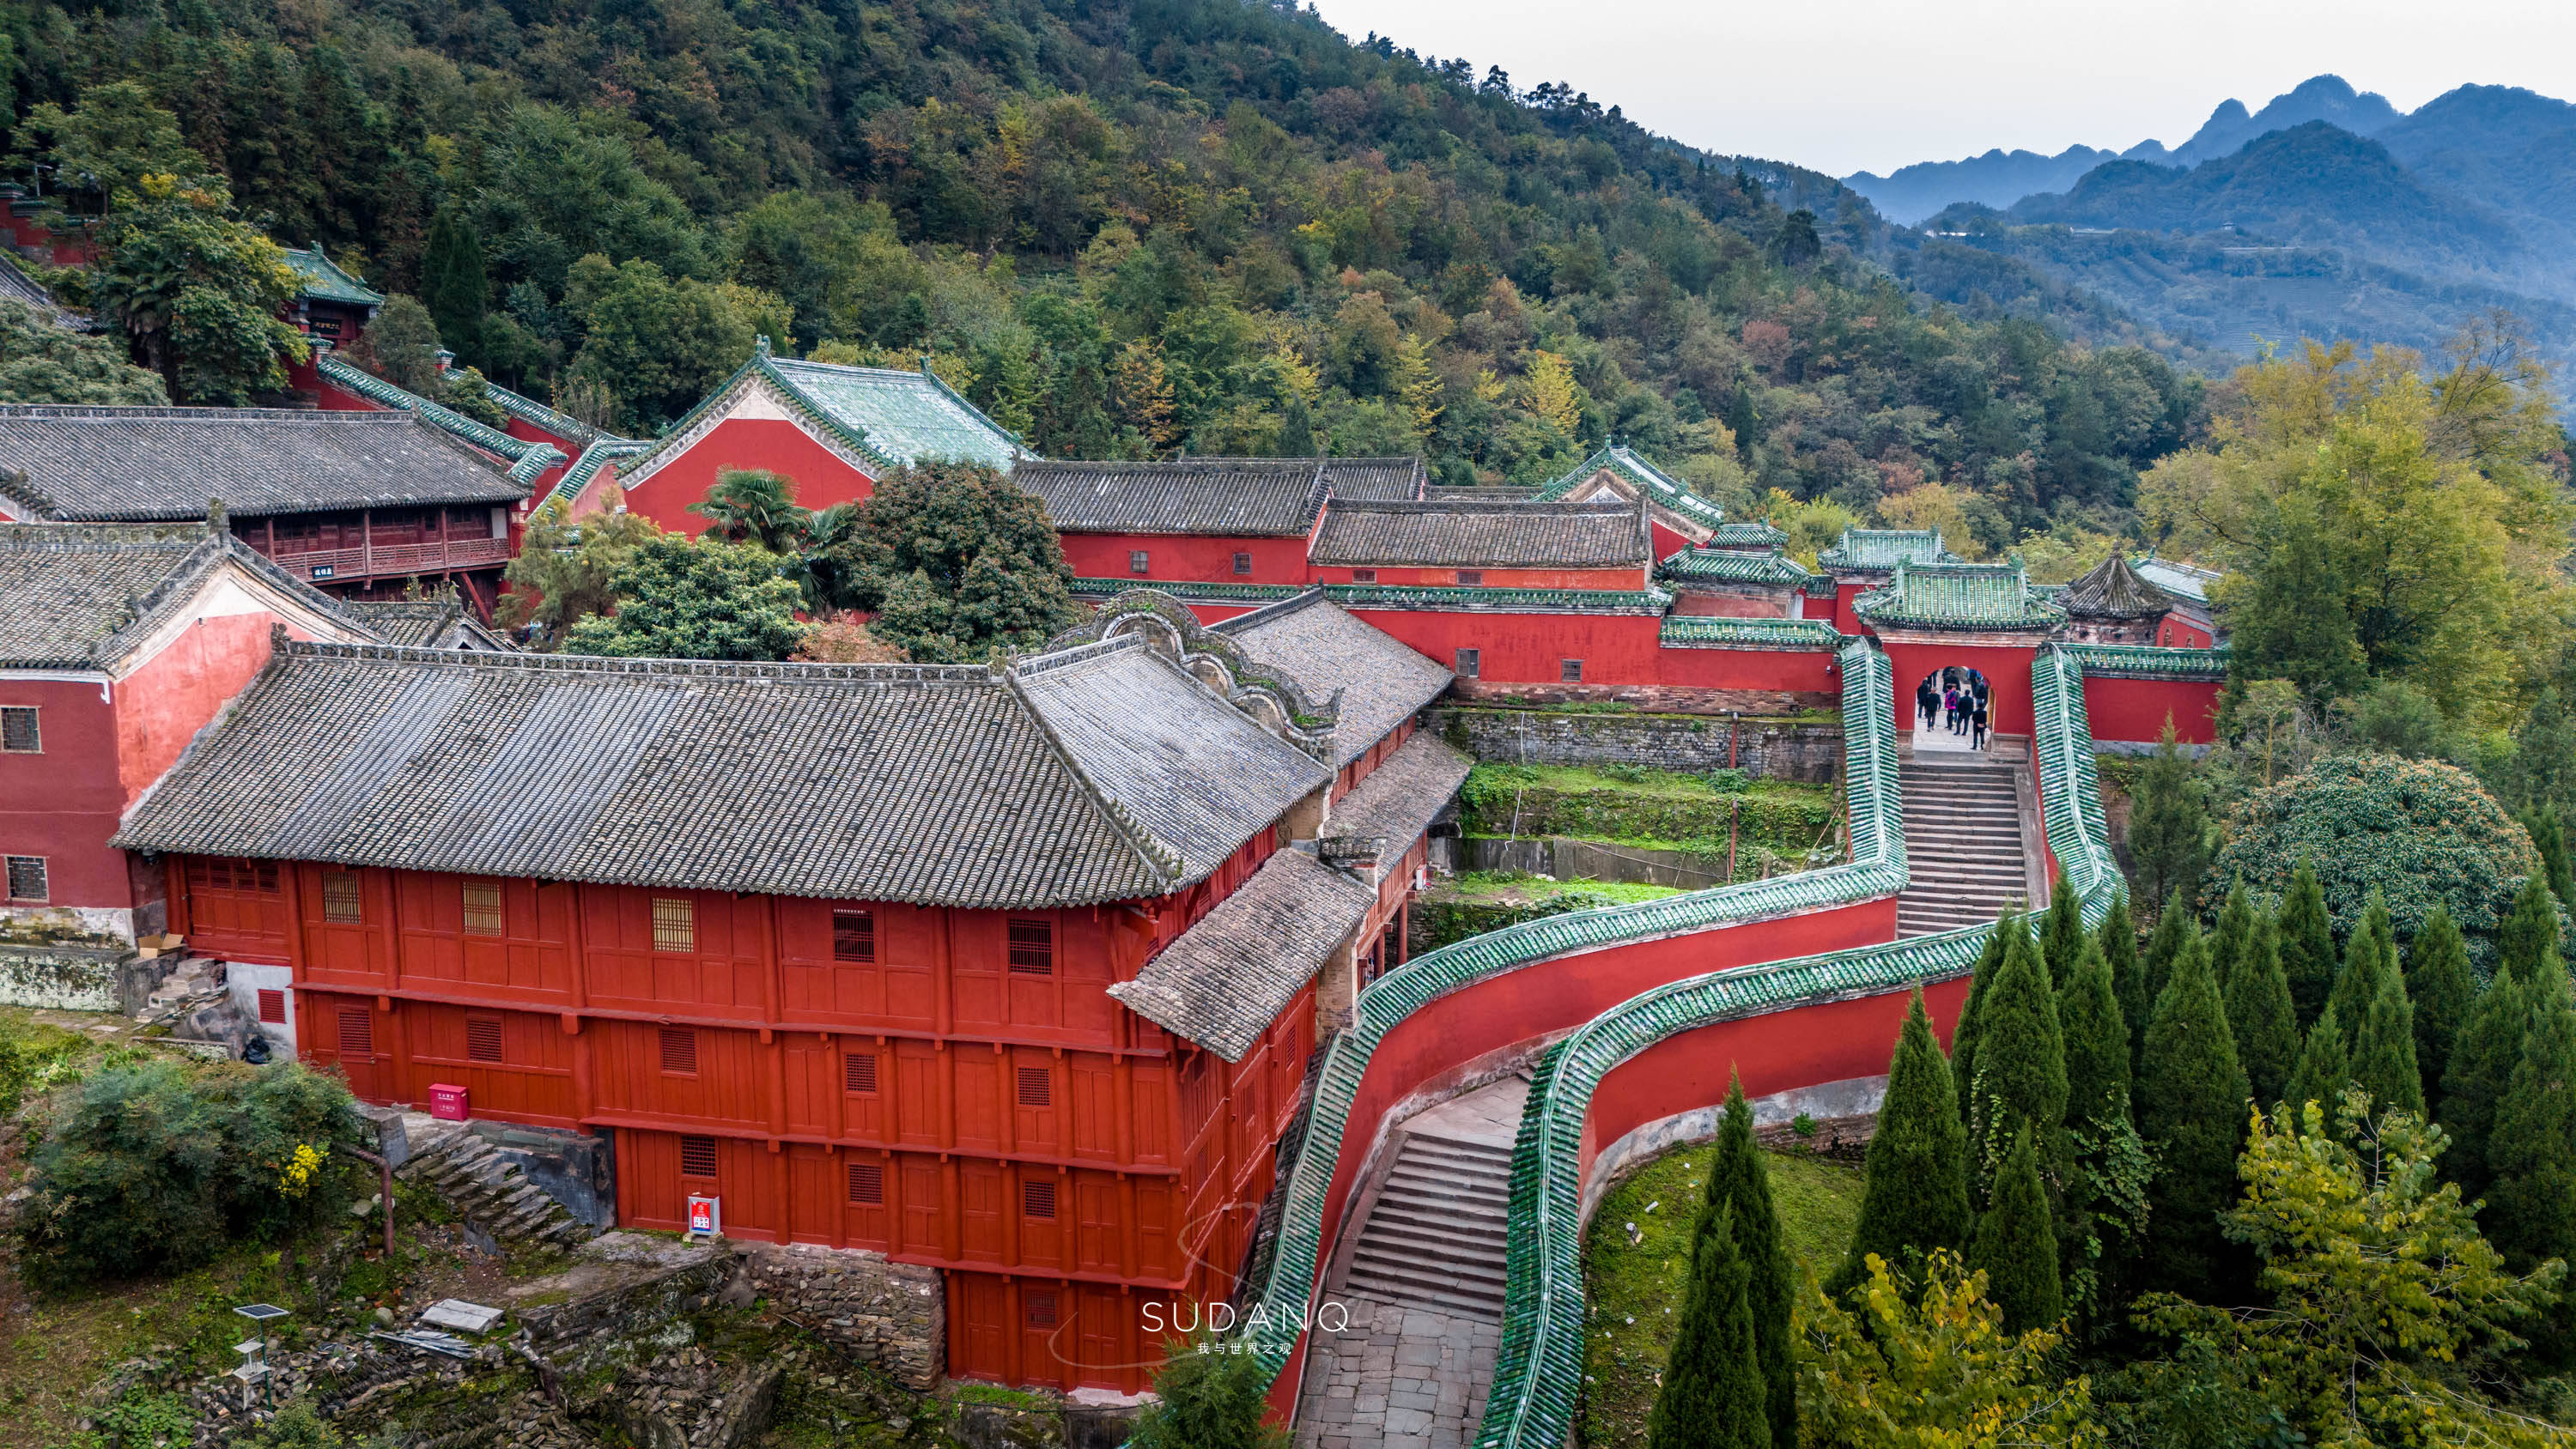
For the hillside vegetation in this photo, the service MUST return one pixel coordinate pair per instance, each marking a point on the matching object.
(1125, 229)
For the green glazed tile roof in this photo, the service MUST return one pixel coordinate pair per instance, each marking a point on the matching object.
(528, 410)
(2188, 580)
(1662, 487)
(526, 459)
(1733, 566)
(1960, 596)
(1213, 593)
(1821, 586)
(1746, 535)
(1884, 548)
(1701, 631)
(2148, 661)
(585, 470)
(1877, 868)
(888, 416)
(1539, 1372)
(325, 282)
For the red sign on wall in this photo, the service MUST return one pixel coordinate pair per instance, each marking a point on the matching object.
(706, 1215)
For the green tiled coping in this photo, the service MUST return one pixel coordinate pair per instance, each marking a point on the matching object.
(1401, 596)
(1658, 485)
(1734, 566)
(1877, 868)
(1705, 631)
(566, 494)
(562, 424)
(1539, 1373)
(527, 459)
(2149, 661)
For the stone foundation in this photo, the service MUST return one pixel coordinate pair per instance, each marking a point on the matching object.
(1805, 750)
(78, 978)
(894, 1315)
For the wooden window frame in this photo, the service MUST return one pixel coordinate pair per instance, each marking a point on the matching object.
(1243, 565)
(1033, 1086)
(859, 1073)
(489, 914)
(679, 1050)
(1039, 1308)
(675, 919)
(1363, 576)
(696, 1147)
(1468, 664)
(483, 1041)
(1569, 671)
(21, 722)
(1038, 1199)
(362, 1041)
(867, 1184)
(1471, 578)
(1140, 563)
(1029, 946)
(272, 1005)
(854, 935)
(344, 898)
(18, 868)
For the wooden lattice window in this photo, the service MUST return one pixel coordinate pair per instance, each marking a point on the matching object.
(854, 935)
(1363, 576)
(1242, 565)
(483, 1038)
(1039, 1308)
(1037, 1197)
(675, 924)
(357, 1033)
(1471, 578)
(859, 1072)
(1136, 562)
(340, 904)
(698, 1157)
(1569, 671)
(867, 1183)
(27, 878)
(1032, 948)
(679, 1051)
(272, 1006)
(233, 875)
(482, 908)
(18, 732)
(1036, 1089)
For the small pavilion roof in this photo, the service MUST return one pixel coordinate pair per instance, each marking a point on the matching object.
(2113, 590)
(325, 281)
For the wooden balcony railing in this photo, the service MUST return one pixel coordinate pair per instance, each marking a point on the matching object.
(377, 560)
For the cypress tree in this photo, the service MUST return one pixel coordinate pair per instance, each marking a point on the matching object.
(2191, 1112)
(2021, 1066)
(1740, 1182)
(1963, 1037)
(2551, 839)
(2531, 1157)
(2063, 943)
(2443, 992)
(2016, 1244)
(452, 282)
(2475, 1079)
(2260, 1017)
(1914, 1195)
(2530, 935)
(2369, 962)
(2119, 938)
(2173, 928)
(2097, 1041)
(2325, 1067)
(1712, 1396)
(2383, 1052)
(2307, 944)
(2230, 937)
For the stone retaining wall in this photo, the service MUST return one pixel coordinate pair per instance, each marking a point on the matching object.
(1654, 698)
(1806, 750)
(78, 978)
(894, 1315)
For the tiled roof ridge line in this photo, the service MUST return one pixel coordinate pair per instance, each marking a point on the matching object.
(1248, 683)
(36, 536)
(1499, 507)
(525, 459)
(1543, 1325)
(587, 469)
(1877, 868)
(783, 671)
(959, 398)
(1158, 856)
(1252, 618)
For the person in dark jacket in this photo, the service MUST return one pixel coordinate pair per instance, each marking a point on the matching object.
(1979, 717)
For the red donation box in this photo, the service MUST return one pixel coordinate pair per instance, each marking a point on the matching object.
(446, 1103)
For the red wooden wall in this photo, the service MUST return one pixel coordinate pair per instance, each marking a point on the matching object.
(1206, 559)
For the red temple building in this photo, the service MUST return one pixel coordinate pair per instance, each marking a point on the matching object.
(1679, 518)
(1010, 971)
(1205, 520)
(117, 643)
(354, 503)
(1461, 543)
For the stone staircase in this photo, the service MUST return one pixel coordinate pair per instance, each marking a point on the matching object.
(492, 1193)
(1963, 845)
(1435, 1236)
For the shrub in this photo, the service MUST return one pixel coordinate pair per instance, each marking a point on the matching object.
(152, 1165)
(2420, 832)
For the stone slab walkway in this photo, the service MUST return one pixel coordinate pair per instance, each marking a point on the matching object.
(1399, 1378)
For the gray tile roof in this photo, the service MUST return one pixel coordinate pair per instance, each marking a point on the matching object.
(1458, 533)
(2183, 580)
(1399, 798)
(1258, 497)
(2113, 590)
(424, 624)
(1097, 774)
(79, 596)
(136, 465)
(1323, 649)
(1222, 982)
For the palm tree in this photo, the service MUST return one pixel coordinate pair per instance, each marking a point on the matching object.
(754, 505)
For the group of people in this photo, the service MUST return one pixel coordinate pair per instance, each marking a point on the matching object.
(1954, 699)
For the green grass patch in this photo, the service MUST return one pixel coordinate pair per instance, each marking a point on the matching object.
(1633, 1291)
(1512, 887)
(1650, 809)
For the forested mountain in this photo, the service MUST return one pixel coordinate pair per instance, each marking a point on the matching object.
(1127, 228)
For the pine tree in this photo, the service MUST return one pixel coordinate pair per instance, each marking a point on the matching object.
(2307, 944)
(1963, 1037)
(2477, 1076)
(2229, 938)
(2119, 938)
(2325, 1067)
(2369, 962)
(2191, 1112)
(2016, 1244)
(2550, 837)
(2531, 1157)
(2383, 1051)
(2097, 1041)
(2443, 992)
(1739, 1182)
(1713, 1396)
(452, 282)
(1914, 1196)
(2530, 934)
(2260, 1017)
(2021, 1053)
(2173, 928)
(2168, 824)
(2063, 942)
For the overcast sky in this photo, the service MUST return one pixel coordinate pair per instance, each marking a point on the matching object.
(1850, 85)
